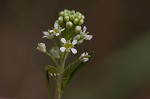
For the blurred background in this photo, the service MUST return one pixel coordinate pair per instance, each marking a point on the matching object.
(120, 68)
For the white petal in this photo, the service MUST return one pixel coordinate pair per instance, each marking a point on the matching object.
(74, 51)
(44, 36)
(84, 29)
(88, 37)
(63, 40)
(51, 74)
(85, 59)
(38, 48)
(54, 74)
(45, 33)
(56, 24)
(57, 34)
(62, 49)
(74, 42)
(83, 54)
(86, 54)
(50, 30)
(63, 29)
(41, 47)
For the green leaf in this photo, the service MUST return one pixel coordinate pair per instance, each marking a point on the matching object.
(71, 70)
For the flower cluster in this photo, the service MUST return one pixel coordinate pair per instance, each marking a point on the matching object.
(56, 31)
(71, 19)
(83, 36)
(69, 29)
(68, 46)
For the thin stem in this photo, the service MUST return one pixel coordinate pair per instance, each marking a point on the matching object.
(61, 69)
(48, 84)
(64, 57)
(60, 40)
(53, 59)
(54, 42)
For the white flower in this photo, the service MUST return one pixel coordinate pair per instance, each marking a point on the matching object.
(84, 29)
(83, 36)
(57, 29)
(88, 37)
(68, 46)
(56, 24)
(48, 34)
(41, 47)
(84, 57)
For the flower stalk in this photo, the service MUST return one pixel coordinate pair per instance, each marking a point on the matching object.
(69, 32)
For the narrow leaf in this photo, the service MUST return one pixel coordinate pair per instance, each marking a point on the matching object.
(71, 70)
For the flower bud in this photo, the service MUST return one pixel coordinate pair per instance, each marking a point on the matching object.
(71, 17)
(77, 29)
(77, 37)
(69, 24)
(66, 11)
(81, 22)
(72, 12)
(83, 17)
(88, 37)
(80, 41)
(78, 13)
(84, 57)
(41, 47)
(66, 18)
(76, 20)
(60, 19)
(79, 16)
(61, 13)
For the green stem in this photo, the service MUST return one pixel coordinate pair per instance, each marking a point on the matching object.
(54, 42)
(64, 57)
(53, 59)
(61, 44)
(48, 84)
(61, 69)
